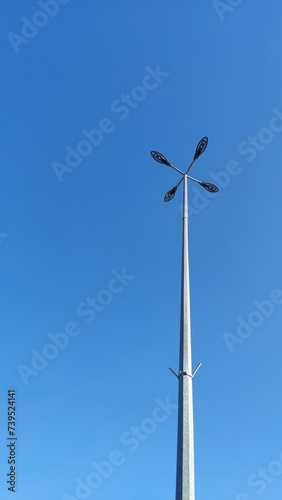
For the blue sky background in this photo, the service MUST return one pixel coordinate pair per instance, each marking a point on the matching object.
(60, 242)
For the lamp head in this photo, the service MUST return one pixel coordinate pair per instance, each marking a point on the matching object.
(170, 194)
(201, 146)
(160, 158)
(212, 188)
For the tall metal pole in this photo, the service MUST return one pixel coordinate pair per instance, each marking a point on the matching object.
(185, 475)
(185, 470)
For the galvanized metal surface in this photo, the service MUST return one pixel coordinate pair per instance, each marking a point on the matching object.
(185, 474)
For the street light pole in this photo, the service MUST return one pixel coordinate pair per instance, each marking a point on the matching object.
(185, 475)
(185, 469)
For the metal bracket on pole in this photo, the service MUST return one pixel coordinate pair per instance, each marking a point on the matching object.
(195, 371)
(177, 376)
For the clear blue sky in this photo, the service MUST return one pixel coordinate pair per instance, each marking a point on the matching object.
(88, 246)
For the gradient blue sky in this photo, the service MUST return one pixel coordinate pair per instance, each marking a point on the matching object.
(62, 242)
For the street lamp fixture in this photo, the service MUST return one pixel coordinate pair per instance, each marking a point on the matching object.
(160, 158)
(170, 194)
(201, 146)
